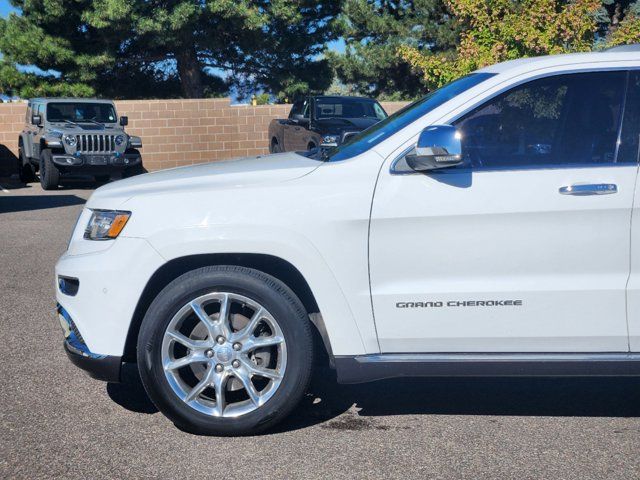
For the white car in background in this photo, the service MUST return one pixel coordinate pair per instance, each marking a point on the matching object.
(487, 229)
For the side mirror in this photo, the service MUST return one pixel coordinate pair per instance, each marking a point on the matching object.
(299, 119)
(36, 120)
(439, 146)
(124, 121)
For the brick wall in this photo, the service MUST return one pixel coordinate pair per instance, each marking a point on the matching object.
(175, 132)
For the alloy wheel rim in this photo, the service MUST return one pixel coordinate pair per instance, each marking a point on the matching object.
(224, 354)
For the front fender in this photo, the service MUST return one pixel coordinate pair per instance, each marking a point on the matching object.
(27, 147)
(340, 323)
(276, 130)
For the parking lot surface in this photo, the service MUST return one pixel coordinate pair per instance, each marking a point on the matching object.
(56, 422)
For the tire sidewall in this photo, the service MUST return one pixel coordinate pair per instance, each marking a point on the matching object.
(49, 175)
(265, 290)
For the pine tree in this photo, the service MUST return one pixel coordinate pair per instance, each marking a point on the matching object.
(159, 48)
(373, 31)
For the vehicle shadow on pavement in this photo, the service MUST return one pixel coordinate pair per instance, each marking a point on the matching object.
(23, 203)
(327, 402)
(130, 393)
(67, 182)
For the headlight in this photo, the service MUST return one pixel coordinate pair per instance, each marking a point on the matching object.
(70, 140)
(330, 140)
(106, 224)
(120, 140)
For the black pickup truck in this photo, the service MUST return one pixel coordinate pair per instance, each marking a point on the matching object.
(323, 121)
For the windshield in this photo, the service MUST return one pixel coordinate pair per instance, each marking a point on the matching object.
(81, 112)
(381, 131)
(331, 107)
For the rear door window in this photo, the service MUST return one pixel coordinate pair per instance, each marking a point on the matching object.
(630, 136)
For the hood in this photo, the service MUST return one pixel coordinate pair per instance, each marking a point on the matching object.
(216, 175)
(339, 125)
(86, 127)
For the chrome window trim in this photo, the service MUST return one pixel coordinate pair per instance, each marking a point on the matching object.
(461, 170)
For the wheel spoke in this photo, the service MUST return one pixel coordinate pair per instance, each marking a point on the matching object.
(200, 387)
(182, 362)
(182, 339)
(269, 373)
(249, 387)
(205, 319)
(223, 317)
(220, 384)
(247, 331)
(260, 342)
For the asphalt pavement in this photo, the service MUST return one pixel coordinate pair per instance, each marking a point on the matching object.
(56, 422)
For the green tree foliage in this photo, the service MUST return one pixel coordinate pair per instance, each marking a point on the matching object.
(160, 48)
(619, 22)
(374, 29)
(498, 30)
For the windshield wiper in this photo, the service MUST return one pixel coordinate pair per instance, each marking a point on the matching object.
(71, 123)
(94, 122)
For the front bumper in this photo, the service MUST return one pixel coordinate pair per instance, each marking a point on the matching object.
(114, 160)
(100, 367)
(107, 288)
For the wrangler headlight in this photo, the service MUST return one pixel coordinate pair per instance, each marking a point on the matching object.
(106, 224)
(120, 140)
(70, 140)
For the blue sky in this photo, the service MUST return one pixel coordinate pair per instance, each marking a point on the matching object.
(5, 8)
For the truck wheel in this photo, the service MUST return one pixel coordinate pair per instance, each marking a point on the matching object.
(133, 171)
(311, 146)
(225, 350)
(49, 173)
(25, 170)
(275, 146)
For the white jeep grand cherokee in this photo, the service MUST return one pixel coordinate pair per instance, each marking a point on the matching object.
(490, 228)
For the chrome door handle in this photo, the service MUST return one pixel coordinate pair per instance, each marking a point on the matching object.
(590, 189)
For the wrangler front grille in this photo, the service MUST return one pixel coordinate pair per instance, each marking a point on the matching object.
(96, 143)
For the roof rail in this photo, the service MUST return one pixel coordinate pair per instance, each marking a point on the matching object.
(634, 47)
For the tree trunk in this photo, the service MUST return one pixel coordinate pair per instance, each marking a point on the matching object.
(190, 73)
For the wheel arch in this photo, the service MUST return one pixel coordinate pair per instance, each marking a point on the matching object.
(269, 264)
(23, 144)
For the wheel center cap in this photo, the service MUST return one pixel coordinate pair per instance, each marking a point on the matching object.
(224, 354)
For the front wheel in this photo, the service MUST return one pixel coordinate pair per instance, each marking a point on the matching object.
(133, 171)
(275, 146)
(49, 173)
(25, 170)
(225, 350)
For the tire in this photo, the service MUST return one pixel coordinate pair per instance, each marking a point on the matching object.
(246, 290)
(275, 146)
(133, 171)
(25, 170)
(102, 178)
(311, 146)
(49, 173)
